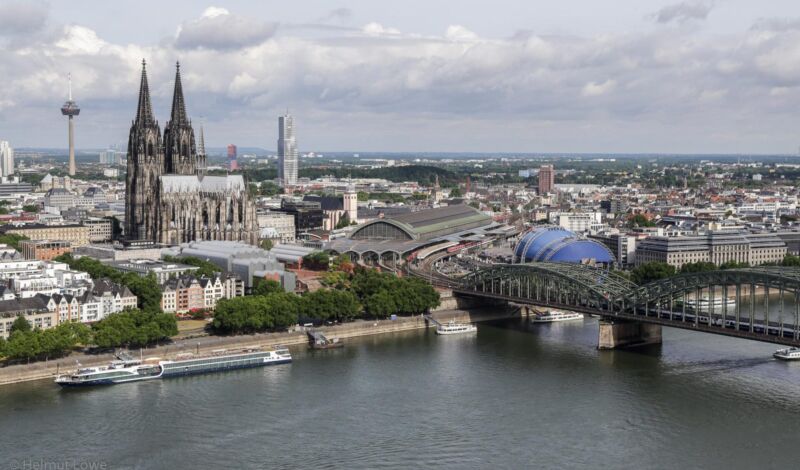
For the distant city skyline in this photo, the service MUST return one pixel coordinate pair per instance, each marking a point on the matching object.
(582, 76)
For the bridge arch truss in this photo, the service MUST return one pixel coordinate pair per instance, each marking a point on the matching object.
(552, 283)
(757, 303)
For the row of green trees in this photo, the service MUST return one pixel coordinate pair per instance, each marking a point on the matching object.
(131, 328)
(25, 342)
(207, 268)
(656, 270)
(364, 293)
(146, 288)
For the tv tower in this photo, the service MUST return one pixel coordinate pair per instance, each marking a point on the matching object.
(70, 108)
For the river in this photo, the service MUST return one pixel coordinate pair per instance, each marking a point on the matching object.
(514, 395)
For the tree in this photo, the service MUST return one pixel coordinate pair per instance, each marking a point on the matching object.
(21, 324)
(380, 304)
(734, 265)
(698, 267)
(336, 279)
(342, 263)
(327, 304)
(207, 268)
(30, 208)
(344, 221)
(12, 239)
(790, 260)
(267, 244)
(639, 220)
(256, 313)
(266, 287)
(133, 328)
(456, 192)
(146, 289)
(317, 260)
(651, 271)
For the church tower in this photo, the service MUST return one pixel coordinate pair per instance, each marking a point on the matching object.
(350, 203)
(145, 165)
(180, 157)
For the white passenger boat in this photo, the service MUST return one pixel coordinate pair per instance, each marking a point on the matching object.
(552, 316)
(704, 303)
(453, 328)
(787, 354)
(115, 373)
(131, 370)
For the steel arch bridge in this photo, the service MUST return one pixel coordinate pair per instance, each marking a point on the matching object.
(755, 303)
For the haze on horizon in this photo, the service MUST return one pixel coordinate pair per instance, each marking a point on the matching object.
(625, 76)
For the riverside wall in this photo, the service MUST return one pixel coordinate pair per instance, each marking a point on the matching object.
(204, 343)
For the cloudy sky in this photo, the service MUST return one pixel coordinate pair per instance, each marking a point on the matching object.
(705, 76)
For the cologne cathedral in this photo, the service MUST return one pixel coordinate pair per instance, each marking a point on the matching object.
(168, 198)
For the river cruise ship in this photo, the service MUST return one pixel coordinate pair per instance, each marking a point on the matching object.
(454, 328)
(130, 370)
(552, 316)
(787, 354)
(717, 305)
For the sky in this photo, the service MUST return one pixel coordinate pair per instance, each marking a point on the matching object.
(621, 76)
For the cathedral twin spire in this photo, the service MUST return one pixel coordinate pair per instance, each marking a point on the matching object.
(144, 112)
(179, 151)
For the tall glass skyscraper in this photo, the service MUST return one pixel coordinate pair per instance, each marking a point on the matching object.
(287, 151)
(6, 159)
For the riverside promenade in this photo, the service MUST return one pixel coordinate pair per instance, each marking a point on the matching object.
(204, 343)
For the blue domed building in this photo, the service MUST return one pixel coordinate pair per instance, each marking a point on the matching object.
(559, 245)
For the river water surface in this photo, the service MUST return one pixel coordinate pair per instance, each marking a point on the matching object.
(512, 396)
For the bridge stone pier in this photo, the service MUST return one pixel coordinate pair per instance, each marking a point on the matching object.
(615, 334)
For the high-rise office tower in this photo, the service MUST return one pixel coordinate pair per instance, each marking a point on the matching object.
(232, 162)
(6, 159)
(287, 151)
(547, 179)
(71, 109)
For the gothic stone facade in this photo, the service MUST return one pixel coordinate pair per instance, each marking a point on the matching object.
(168, 198)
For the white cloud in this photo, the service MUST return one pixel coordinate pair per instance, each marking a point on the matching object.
(597, 89)
(213, 12)
(377, 29)
(460, 33)
(684, 11)
(238, 75)
(217, 28)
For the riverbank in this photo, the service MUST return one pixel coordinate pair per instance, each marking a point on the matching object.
(202, 343)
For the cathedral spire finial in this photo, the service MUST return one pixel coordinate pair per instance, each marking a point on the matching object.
(144, 112)
(178, 115)
(202, 149)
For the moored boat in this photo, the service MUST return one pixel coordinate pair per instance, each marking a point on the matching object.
(453, 328)
(129, 370)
